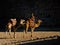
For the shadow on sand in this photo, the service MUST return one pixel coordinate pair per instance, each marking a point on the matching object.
(45, 42)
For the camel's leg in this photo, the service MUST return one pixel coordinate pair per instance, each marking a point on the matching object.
(6, 33)
(32, 30)
(26, 30)
(14, 33)
(10, 33)
(26, 27)
(24, 34)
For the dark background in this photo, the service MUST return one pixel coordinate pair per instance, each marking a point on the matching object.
(46, 10)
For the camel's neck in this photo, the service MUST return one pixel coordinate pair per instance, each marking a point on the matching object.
(38, 24)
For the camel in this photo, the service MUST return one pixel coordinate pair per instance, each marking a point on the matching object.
(30, 24)
(11, 23)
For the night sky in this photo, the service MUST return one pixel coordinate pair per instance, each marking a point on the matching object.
(46, 10)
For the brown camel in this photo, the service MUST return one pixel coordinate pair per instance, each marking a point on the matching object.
(11, 23)
(31, 24)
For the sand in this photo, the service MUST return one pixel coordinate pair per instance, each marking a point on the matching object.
(6, 40)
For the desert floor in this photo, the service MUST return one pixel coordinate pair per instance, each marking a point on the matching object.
(5, 39)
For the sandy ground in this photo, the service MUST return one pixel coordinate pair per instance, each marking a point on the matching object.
(6, 40)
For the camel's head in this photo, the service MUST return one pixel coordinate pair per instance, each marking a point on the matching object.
(14, 21)
(22, 21)
(40, 21)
